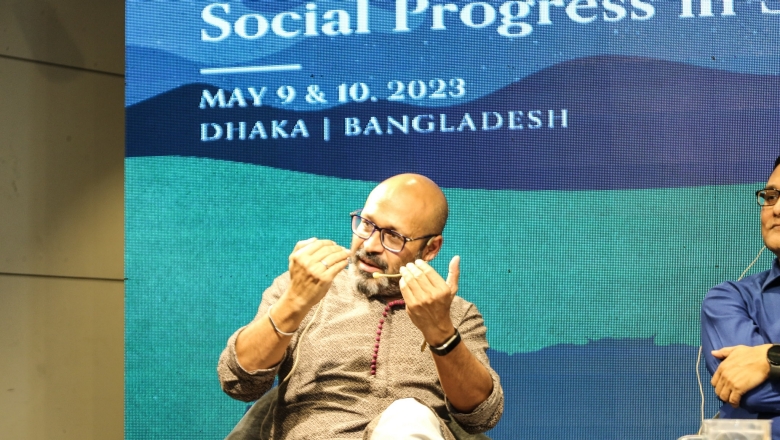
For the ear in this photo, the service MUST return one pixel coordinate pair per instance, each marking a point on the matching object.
(432, 248)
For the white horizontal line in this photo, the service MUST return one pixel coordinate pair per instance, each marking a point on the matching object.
(249, 69)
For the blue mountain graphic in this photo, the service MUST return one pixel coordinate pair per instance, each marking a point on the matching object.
(631, 123)
(607, 389)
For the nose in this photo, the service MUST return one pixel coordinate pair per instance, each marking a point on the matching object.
(776, 209)
(373, 244)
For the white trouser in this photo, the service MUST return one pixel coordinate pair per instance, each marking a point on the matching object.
(407, 419)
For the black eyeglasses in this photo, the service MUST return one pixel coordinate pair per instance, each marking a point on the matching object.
(391, 240)
(767, 196)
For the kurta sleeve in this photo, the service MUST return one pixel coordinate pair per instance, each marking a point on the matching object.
(485, 416)
(236, 381)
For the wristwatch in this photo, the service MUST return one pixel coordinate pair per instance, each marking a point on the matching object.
(773, 356)
(450, 344)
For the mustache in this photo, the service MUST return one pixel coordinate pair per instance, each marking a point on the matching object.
(371, 258)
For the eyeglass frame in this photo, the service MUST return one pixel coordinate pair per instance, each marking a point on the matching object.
(406, 239)
(758, 197)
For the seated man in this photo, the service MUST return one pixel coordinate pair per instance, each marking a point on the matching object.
(740, 323)
(359, 365)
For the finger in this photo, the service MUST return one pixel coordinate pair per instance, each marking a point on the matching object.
(329, 254)
(722, 391)
(336, 258)
(410, 276)
(308, 248)
(408, 285)
(726, 389)
(437, 283)
(734, 399)
(430, 273)
(454, 273)
(318, 245)
(406, 293)
(420, 275)
(421, 286)
(333, 270)
(301, 244)
(715, 378)
(314, 252)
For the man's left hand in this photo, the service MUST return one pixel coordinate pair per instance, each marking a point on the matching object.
(428, 298)
(743, 368)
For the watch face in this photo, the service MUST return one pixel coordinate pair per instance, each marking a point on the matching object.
(774, 355)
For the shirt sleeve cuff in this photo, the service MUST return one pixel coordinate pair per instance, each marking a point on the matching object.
(483, 417)
(239, 383)
(243, 372)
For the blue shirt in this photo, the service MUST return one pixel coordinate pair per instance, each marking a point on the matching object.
(745, 312)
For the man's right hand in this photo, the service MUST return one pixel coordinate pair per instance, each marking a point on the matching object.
(743, 368)
(313, 266)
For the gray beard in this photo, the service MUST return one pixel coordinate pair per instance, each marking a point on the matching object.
(374, 287)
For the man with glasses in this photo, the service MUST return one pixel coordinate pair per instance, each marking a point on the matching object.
(741, 327)
(384, 349)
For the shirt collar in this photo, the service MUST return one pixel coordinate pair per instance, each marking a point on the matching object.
(774, 274)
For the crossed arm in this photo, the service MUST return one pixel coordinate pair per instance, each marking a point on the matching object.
(742, 369)
(735, 352)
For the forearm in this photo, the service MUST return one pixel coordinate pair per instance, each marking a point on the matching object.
(236, 381)
(465, 381)
(763, 398)
(259, 346)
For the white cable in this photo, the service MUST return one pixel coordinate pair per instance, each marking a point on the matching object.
(701, 389)
(698, 358)
(300, 338)
(751, 263)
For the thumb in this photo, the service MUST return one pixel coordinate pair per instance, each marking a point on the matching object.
(723, 352)
(454, 274)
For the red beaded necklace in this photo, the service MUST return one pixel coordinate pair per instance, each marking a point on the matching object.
(390, 305)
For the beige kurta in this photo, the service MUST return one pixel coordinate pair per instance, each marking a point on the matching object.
(332, 393)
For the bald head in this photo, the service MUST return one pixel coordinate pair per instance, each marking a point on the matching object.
(418, 196)
(409, 205)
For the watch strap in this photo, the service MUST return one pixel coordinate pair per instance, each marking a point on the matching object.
(774, 373)
(448, 346)
(773, 356)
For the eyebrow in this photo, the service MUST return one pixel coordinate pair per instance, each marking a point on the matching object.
(391, 227)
